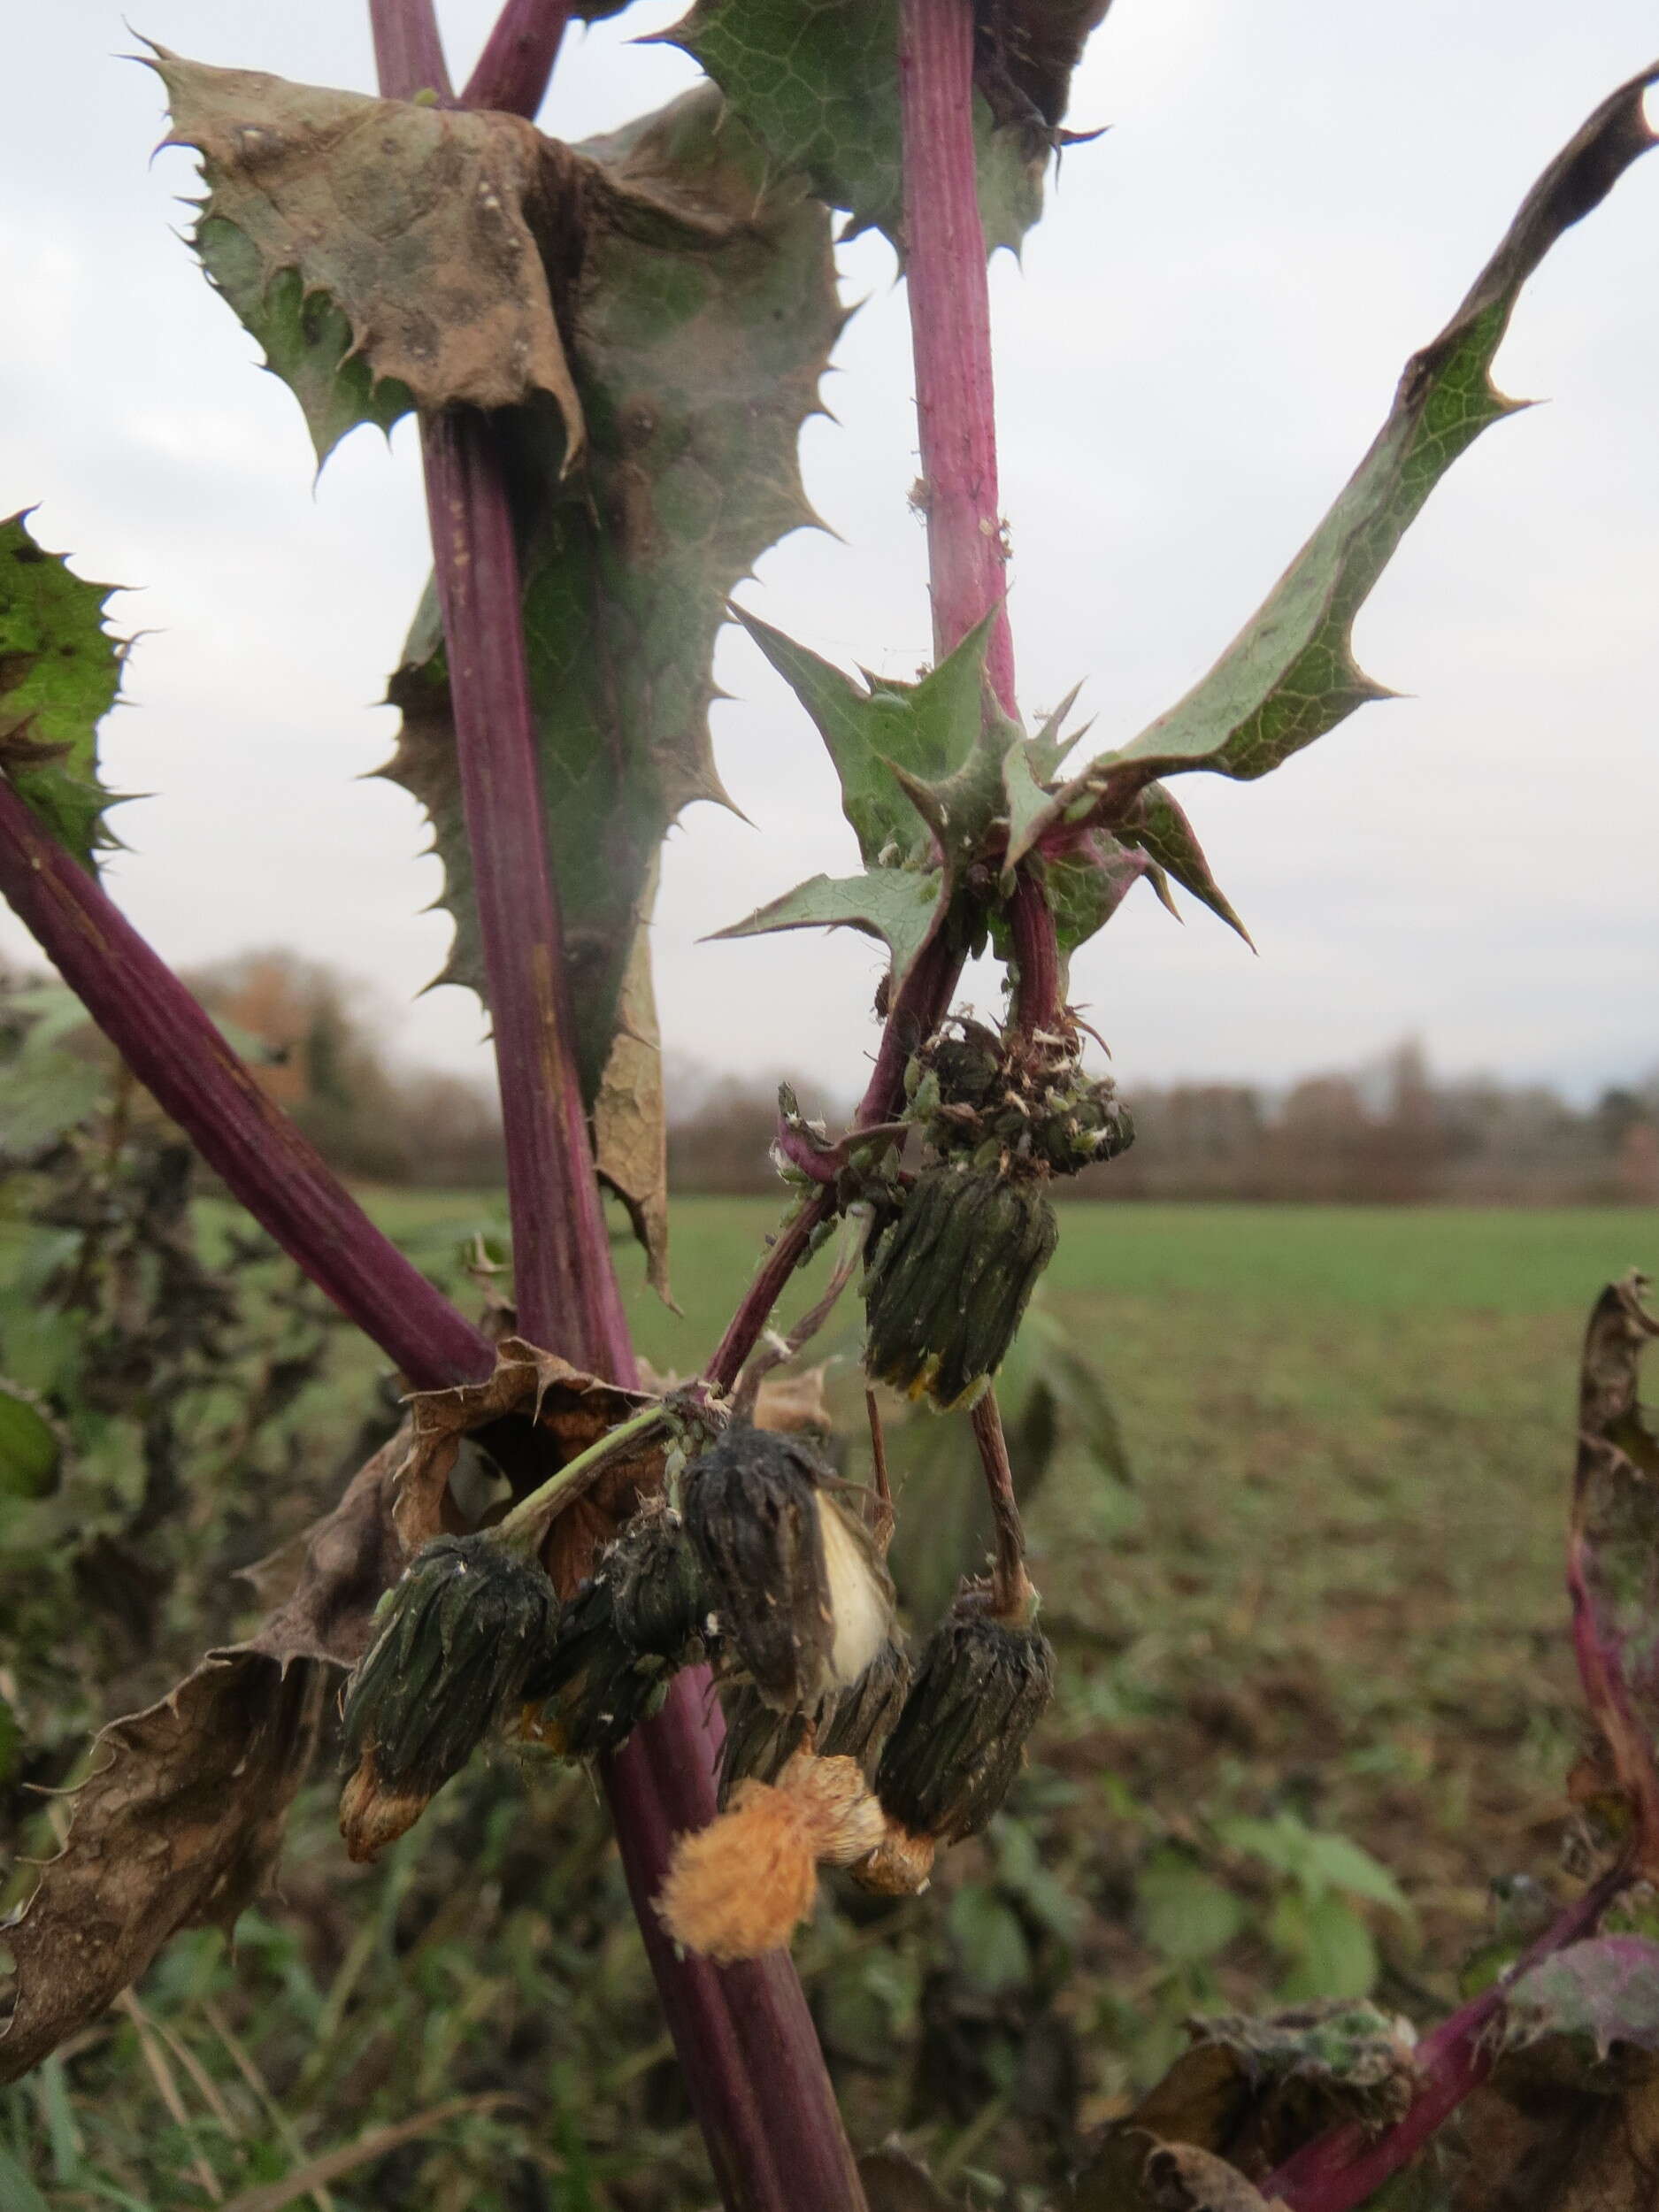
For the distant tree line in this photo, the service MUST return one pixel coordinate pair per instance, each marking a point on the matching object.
(1388, 1133)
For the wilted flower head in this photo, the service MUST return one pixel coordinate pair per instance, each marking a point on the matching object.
(800, 1593)
(981, 1685)
(851, 1723)
(455, 1638)
(634, 1622)
(949, 1280)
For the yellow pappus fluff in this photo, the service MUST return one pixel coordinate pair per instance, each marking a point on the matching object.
(744, 1884)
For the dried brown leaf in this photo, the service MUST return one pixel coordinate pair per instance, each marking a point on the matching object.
(571, 1408)
(177, 1828)
(1131, 2171)
(428, 232)
(182, 1816)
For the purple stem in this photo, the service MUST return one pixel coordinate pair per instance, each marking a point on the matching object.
(1339, 2169)
(1037, 1000)
(175, 1051)
(744, 2036)
(517, 63)
(563, 1282)
(408, 51)
(950, 330)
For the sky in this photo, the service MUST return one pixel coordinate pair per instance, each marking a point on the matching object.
(1202, 339)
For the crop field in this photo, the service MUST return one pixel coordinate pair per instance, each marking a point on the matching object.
(1316, 1697)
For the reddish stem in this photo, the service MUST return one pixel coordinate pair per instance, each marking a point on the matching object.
(950, 330)
(1339, 2169)
(175, 1051)
(408, 50)
(744, 2036)
(563, 1282)
(514, 69)
(1011, 1592)
(1037, 1004)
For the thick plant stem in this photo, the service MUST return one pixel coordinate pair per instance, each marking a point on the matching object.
(1339, 2169)
(175, 1051)
(563, 1282)
(513, 70)
(950, 330)
(747, 2047)
(408, 51)
(1037, 996)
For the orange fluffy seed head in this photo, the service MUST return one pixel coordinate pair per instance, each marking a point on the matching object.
(744, 1884)
(842, 1820)
(901, 1865)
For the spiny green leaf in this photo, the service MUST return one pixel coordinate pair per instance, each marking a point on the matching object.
(902, 905)
(1157, 826)
(894, 743)
(387, 255)
(59, 672)
(818, 82)
(1290, 676)
(701, 323)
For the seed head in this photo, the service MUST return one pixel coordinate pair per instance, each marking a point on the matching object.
(950, 1280)
(456, 1638)
(744, 1884)
(801, 1595)
(981, 1685)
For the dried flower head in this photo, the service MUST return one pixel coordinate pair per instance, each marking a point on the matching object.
(457, 1636)
(981, 1685)
(801, 1595)
(743, 1884)
(949, 1280)
(851, 1723)
(631, 1625)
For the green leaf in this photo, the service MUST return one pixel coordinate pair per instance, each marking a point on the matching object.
(701, 323)
(1316, 1861)
(988, 1935)
(901, 905)
(59, 672)
(1290, 675)
(907, 754)
(1157, 826)
(31, 1450)
(387, 255)
(818, 82)
(1329, 1945)
(1185, 1915)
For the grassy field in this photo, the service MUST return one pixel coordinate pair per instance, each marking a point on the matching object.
(1315, 1695)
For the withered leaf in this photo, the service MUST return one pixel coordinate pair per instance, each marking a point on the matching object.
(1613, 1572)
(1131, 2172)
(182, 1816)
(176, 1829)
(572, 1411)
(386, 254)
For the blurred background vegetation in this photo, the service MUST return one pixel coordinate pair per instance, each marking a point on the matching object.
(1295, 1481)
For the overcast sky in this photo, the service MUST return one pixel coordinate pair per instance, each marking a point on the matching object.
(1204, 338)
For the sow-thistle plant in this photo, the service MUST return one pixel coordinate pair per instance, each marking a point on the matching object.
(611, 350)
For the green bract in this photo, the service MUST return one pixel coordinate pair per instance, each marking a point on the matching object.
(951, 1279)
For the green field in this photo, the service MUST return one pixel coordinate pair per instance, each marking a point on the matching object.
(1316, 1694)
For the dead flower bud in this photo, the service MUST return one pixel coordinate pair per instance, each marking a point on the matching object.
(851, 1723)
(950, 1280)
(981, 1685)
(625, 1632)
(744, 1884)
(802, 1596)
(456, 1638)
